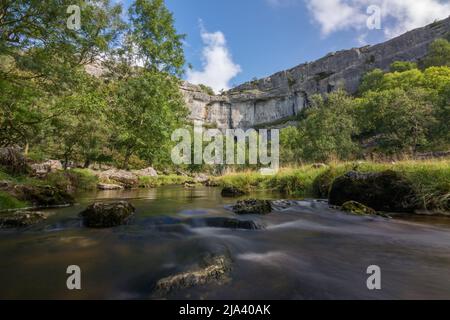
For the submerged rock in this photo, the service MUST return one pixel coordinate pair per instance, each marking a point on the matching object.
(107, 215)
(231, 192)
(386, 191)
(189, 185)
(252, 206)
(20, 219)
(227, 223)
(213, 270)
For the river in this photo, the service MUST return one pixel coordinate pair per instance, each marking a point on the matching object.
(306, 251)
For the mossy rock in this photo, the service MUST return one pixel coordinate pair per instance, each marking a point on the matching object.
(252, 207)
(323, 182)
(357, 208)
(386, 191)
(212, 270)
(44, 196)
(20, 219)
(107, 215)
(232, 192)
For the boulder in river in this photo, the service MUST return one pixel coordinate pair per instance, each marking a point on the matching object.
(232, 192)
(252, 206)
(124, 178)
(107, 186)
(213, 270)
(107, 215)
(386, 191)
(201, 178)
(20, 219)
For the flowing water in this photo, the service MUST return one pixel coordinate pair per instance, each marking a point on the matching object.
(305, 251)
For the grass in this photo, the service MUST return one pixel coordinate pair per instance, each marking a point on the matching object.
(153, 182)
(69, 181)
(431, 179)
(7, 201)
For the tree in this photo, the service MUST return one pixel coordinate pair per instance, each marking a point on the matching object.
(399, 120)
(148, 104)
(40, 55)
(373, 80)
(402, 66)
(158, 46)
(328, 129)
(438, 54)
(147, 109)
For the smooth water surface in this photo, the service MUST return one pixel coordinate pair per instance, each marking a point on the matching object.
(305, 251)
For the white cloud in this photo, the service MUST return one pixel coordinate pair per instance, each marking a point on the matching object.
(218, 65)
(398, 16)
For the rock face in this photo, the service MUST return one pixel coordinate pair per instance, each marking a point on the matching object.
(386, 191)
(284, 94)
(42, 169)
(107, 215)
(147, 172)
(124, 178)
(252, 207)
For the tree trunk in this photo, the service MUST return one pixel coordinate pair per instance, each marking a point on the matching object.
(27, 149)
(87, 163)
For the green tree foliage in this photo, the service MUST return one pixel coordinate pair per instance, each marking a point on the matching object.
(159, 47)
(439, 54)
(399, 120)
(148, 104)
(326, 132)
(39, 56)
(402, 66)
(146, 111)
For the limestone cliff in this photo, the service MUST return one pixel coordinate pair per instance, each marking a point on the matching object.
(284, 94)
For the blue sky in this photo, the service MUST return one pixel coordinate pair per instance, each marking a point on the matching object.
(232, 41)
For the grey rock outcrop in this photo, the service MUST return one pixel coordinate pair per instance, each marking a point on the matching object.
(283, 95)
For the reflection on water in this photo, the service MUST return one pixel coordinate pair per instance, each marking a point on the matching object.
(306, 251)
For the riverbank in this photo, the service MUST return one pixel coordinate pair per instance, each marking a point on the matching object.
(431, 180)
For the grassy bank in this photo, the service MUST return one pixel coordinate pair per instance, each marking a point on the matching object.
(430, 178)
(62, 182)
(153, 182)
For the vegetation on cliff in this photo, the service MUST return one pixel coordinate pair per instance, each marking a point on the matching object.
(396, 114)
